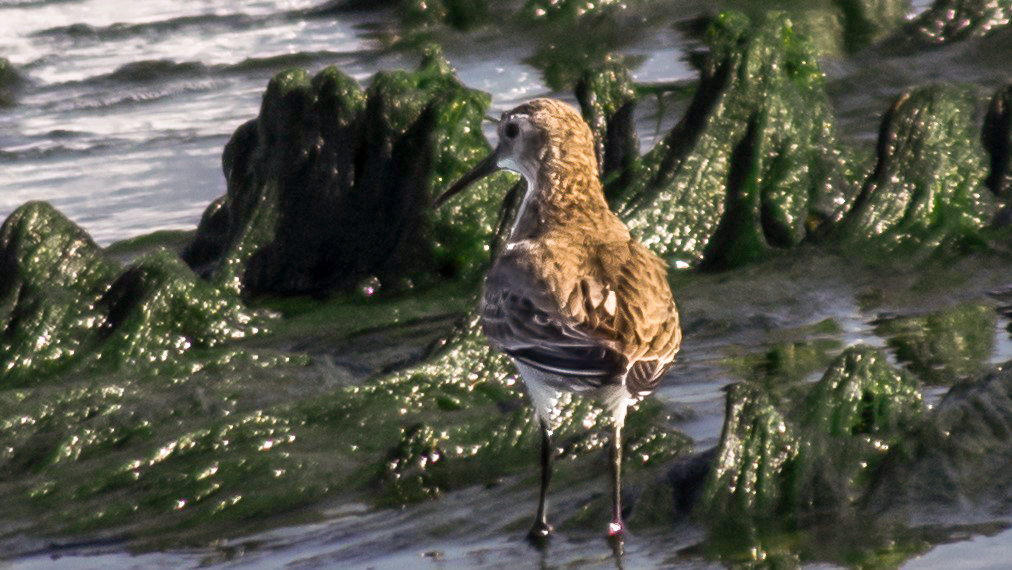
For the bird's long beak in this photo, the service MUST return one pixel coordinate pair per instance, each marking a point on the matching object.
(487, 166)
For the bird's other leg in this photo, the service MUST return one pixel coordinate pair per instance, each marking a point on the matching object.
(540, 530)
(616, 527)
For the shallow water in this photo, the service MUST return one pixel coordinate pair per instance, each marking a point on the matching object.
(122, 126)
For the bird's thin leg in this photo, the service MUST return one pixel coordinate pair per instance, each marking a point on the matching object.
(616, 527)
(541, 529)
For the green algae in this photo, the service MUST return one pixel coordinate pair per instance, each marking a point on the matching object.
(485, 430)
(259, 161)
(861, 394)
(157, 310)
(757, 446)
(229, 455)
(68, 306)
(78, 453)
(926, 191)
(946, 346)
(853, 417)
(776, 469)
(752, 159)
(329, 186)
(959, 455)
(837, 27)
(53, 275)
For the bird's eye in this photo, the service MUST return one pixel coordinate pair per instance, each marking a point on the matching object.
(511, 130)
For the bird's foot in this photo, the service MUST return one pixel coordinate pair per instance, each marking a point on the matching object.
(616, 530)
(539, 534)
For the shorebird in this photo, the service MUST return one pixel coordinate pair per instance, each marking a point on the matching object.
(573, 298)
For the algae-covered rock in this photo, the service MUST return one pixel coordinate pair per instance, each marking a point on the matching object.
(157, 310)
(607, 99)
(330, 185)
(861, 394)
(927, 187)
(953, 20)
(961, 456)
(10, 81)
(852, 417)
(64, 304)
(467, 441)
(835, 26)
(753, 158)
(775, 468)
(51, 277)
(943, 347)
(757, 450)
(457, 419)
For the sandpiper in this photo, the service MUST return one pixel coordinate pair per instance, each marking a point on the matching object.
(573, 299)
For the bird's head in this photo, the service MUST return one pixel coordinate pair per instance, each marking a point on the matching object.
(536, 139)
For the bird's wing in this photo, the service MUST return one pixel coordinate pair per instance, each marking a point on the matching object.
(604, 314)
(521, 317)
(643, 314)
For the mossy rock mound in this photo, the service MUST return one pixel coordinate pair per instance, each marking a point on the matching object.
(456, 420)
(860, 409)
(837, 27)
(753, 159)
(778, 465)
(51, 276)
(65, 305)
(331, 184)
(959, 459)
(927, 190)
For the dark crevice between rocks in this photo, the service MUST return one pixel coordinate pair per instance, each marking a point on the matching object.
(608, 97)
(738, 230)
(680, 141)
(997, 139)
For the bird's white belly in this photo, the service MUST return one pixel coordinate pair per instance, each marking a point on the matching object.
(545, 397)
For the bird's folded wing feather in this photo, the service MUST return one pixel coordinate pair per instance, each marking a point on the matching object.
(606, 317)
(521, 317)
(645, 316)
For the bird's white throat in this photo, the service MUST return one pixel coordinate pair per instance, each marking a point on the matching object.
(530, 176)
